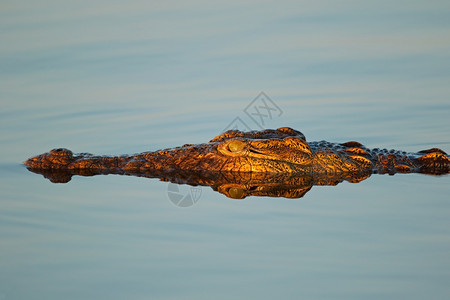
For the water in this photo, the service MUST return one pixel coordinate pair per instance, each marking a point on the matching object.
(111, 77)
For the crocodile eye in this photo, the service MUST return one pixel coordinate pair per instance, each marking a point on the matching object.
(236, 146)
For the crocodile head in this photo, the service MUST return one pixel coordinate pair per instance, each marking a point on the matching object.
(272, 151)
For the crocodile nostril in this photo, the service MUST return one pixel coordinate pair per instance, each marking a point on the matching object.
(61, 152)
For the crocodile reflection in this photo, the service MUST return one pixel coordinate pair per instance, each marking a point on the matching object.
(236, 185)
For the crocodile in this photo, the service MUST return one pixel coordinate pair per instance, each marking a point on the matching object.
(282, 150)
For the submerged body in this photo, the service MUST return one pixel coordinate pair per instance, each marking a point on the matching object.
(283, 150)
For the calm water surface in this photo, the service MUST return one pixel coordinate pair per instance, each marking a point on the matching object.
(108, 77)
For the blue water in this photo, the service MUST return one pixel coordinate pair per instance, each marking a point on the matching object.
(108, 77)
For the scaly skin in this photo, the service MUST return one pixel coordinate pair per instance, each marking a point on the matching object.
(283, 150)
